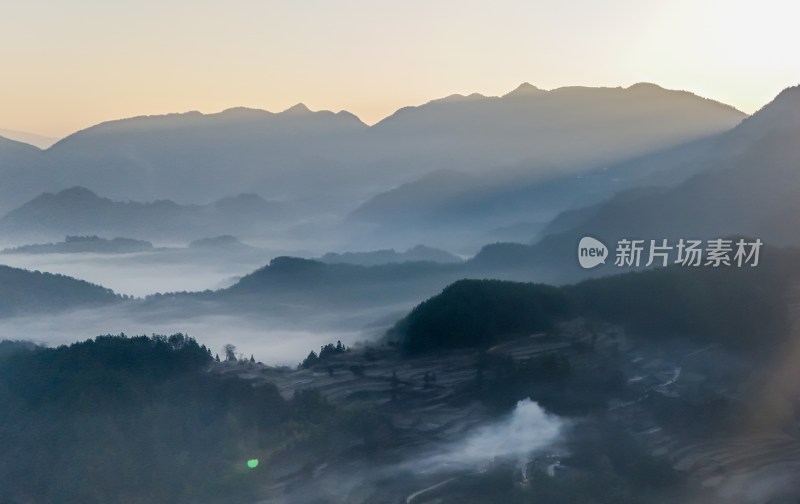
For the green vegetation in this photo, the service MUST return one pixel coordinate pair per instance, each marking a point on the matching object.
(741, 308)
(478, 313)
(140, 419)
(737, 307)
(325, 353)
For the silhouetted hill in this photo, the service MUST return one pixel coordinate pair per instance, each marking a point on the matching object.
(457, 209)
(415, 254)
(26, 292)
(585, 144)
(749, 188)
(141, 419)
(16, 161)
(199, 157)
(561, 127)
(76, 244)
(742, 309)
(291, 281)
(38, 141)
(9, 147)
(79, 211)
(476, 313)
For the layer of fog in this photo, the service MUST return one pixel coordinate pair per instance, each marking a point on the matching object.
(139, 274)
(527, 429)
(269, 340)
(516, 439)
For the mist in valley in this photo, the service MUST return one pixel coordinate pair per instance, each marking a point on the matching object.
(135, 275)
(273, 341)
(298, 307)
(515, 438)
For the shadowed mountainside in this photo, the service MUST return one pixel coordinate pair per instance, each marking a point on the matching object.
(79, 211)
(559, 174)
(81, 244)
(419, 253)
(748, 188)
(25, 292)
(738, 308)
(328, 160)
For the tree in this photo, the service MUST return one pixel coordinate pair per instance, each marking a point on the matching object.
(310, 360)
(230, 353)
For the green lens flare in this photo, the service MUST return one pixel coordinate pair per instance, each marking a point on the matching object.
(252, 463)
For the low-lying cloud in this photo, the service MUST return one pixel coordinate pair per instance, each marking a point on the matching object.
(269, 340)
(524, 431)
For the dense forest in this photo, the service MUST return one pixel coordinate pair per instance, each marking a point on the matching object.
(159, 419)
(144, 421)
(473, 313)
(738, 307)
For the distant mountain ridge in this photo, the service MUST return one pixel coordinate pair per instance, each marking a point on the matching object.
(79, 211)
(328, 160)
(78, 244)
(24, 292)
(559, 127)
(749, 188)
(515, 204)
(419, 253)
(38, 141)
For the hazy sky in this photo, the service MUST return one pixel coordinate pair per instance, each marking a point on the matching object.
(69, 64)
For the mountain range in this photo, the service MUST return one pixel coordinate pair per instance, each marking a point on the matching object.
(554, 129)
(458, 210)
(332, 161)
(745, 184)
(40, 141)
(669, 385)
(739, 182)
(79, 211)
(748, 187)
(25, 292)
(419, 253)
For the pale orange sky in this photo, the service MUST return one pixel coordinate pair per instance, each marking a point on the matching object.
(68, 65)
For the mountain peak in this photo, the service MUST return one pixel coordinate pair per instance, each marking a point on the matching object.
(789, 97)
(298, 109)
(782, 113)
(524, 89)
(77, 193)
(242, 113)
(455, 98)
(645, 86)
